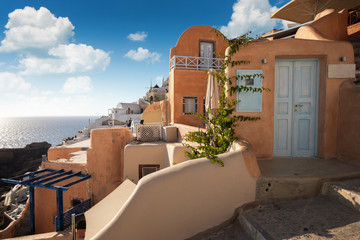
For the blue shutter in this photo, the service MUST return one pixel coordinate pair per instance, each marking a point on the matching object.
(249, 102)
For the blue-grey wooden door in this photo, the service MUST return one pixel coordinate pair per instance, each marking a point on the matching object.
(295, 109)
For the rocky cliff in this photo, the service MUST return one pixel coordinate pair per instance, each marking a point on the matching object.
(15, 161)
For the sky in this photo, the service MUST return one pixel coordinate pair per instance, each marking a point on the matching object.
(82, 57)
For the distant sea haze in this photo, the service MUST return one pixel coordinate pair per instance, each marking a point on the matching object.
(20, 131)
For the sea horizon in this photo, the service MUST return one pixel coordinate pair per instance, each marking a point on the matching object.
(17, 132)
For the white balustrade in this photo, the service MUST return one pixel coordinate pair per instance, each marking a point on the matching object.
(195, 63)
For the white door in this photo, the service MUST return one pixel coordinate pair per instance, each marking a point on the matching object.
(295, 109)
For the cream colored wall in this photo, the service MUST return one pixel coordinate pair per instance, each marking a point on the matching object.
(184, 129)
(176, 153)
(183, 200)
(136, 154)
(164, 154)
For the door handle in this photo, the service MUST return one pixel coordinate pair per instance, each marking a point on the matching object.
(298, 105)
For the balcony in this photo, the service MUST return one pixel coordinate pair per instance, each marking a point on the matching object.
(195, 63)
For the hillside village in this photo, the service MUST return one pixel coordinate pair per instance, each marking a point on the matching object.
(292, 174)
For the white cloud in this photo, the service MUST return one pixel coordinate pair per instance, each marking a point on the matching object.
(30, 28)
(142, 54)
(250, 15)
(70, 58)
(77, 85)
(13, 82)
(139, 36)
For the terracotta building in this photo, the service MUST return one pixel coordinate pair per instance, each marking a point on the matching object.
(197, 50)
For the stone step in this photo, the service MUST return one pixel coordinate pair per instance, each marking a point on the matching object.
(321, 217)
(347, 192)
(233, 231)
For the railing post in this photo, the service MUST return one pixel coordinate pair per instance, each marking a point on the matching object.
(32, 206)
(60, 213)
(32, 209)
(73, 226)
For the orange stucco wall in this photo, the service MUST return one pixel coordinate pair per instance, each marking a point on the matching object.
(152, 114)
(260, 133)
(45, 199)
(105, 160)
(189, 42)
(186, 82)
(158, 112)
(328, 25)
(348, 125)
(61, 152)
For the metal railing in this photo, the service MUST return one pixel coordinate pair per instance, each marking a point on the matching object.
(195, 63)
(354, 17)
(80, 208)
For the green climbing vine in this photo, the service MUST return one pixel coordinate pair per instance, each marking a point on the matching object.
(220, 123)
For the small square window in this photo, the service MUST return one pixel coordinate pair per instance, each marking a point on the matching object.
(189, 105)
(145, 169)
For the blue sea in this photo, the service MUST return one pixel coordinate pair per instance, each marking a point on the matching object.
(20, 131)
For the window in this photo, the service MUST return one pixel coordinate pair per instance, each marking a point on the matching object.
(145, 169)
(189, 105)
(206, 54)
(249, 102)
(206, 49)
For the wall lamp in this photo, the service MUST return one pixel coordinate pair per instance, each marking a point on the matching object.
(264, 60)
(342, 59)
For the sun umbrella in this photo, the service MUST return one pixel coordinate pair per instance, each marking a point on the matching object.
(302, 11)
(212, 91)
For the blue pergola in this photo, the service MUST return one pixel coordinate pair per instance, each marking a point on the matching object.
(50, 179)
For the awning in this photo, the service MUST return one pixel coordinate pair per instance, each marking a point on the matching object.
(302, 11)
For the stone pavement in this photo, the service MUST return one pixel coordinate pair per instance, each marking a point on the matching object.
(334, 214)
(328, 216)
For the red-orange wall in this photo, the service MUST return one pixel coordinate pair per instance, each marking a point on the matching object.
(191, 83)
(348, 137)
(260, 133)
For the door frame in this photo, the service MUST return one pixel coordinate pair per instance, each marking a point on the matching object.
(316, 100)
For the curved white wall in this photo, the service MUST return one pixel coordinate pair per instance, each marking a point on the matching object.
(182, 200)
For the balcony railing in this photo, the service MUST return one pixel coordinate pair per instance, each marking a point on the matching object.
(354, 16)
(195, 63)
(80, 208)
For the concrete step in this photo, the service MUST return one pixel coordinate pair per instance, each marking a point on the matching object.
(233, 231)
(347, 192)
(321, 217)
